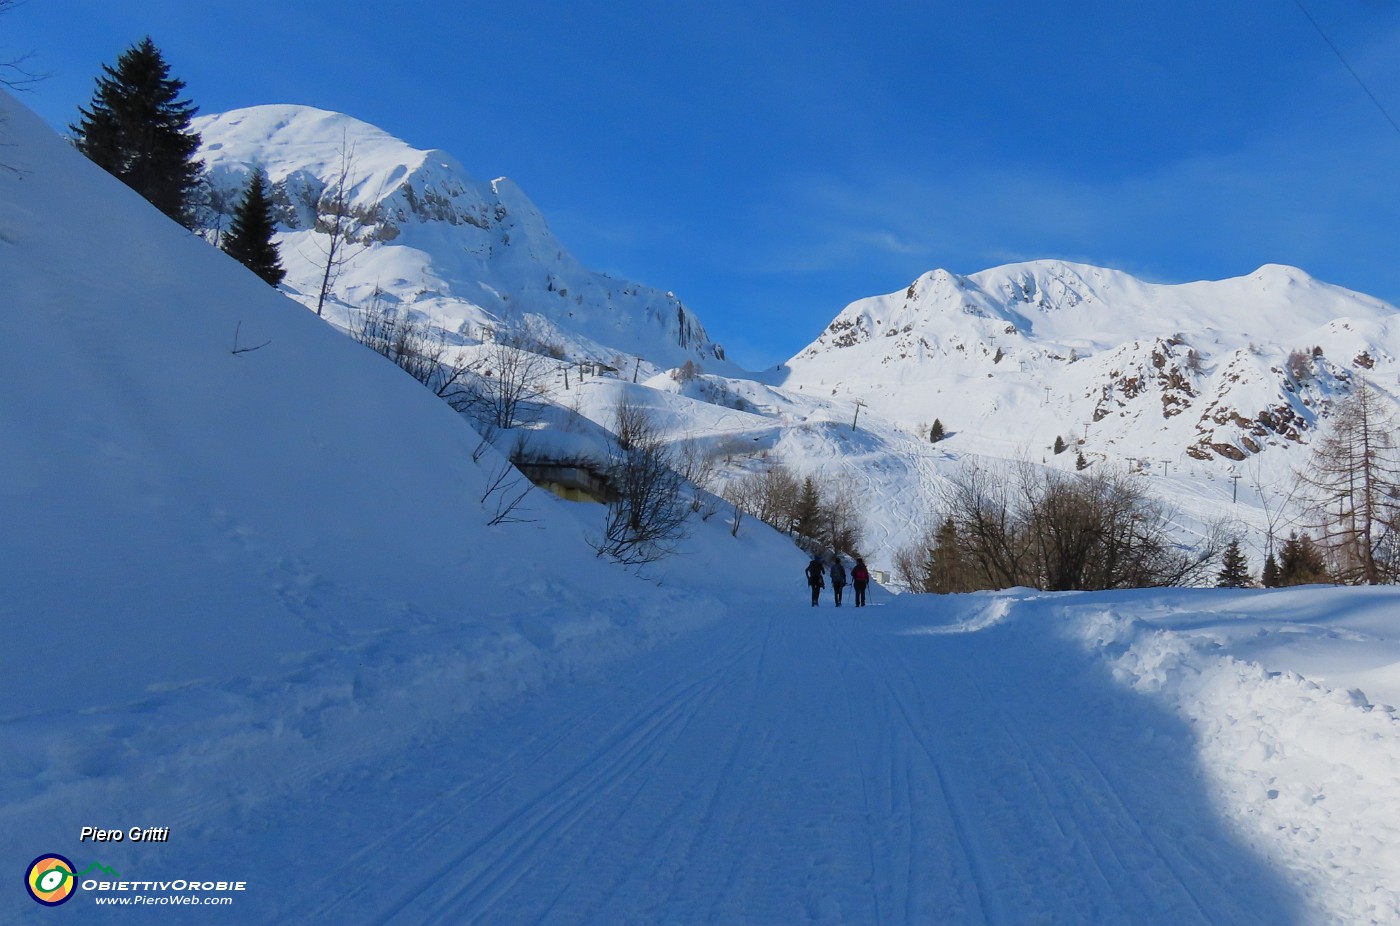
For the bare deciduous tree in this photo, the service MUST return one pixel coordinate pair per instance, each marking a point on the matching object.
(505, 383)
(1352, 486)
(697, 467)
(844, 521)
(506, 489)
(770, 496)
(13, 73)
(1057, 531)
(935, 563)
(335, 219)
(415, 346)
(646, 517)
(823, 514)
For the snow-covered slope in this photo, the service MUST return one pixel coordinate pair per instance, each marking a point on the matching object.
(237, 545)
(248, 593)
(1199, 379)
(1021, 354)
(430, 238)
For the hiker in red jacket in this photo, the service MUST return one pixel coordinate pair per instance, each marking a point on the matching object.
(860, 578)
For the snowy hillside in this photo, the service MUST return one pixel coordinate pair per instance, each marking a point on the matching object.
(1021, 354)
(1195, 383)
(465, 254)
(250, 599)
(1213, 392)
(218, 469)
(239, 547)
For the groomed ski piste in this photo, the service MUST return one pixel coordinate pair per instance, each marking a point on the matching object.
(254, 598)
(992, 758)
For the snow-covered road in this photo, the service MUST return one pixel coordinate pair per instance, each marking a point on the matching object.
(795, 766)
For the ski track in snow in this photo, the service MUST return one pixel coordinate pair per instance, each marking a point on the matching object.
(888, 765)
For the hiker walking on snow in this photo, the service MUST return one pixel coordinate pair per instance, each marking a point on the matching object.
(838, 579)
(814, 578)
(860, 578)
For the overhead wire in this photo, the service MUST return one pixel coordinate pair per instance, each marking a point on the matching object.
(1347, 64)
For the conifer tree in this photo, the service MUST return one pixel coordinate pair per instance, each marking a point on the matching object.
(946, 570)
(138, 130)
(1059, 444)
(808, 513)
(1270, 577)
(935, 433)
(249, 239)
(1234, 570)
(1301, 562)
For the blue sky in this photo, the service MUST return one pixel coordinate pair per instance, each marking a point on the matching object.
(770, 162)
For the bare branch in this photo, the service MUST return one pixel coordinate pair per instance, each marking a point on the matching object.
(506, 488)
(236, 350)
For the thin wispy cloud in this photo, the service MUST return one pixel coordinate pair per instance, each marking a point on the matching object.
(1218, 214)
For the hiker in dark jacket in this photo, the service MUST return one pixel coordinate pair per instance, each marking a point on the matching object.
(838, 579)
(860, 578)
(815, 571)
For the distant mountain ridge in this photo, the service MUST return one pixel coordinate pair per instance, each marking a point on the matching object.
(1189, 381)
(1214, 369)
(429, 237)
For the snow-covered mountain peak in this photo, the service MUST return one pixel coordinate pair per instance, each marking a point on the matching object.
(286, 140)
(1211, 369)
(1282, 275)
(467, 255)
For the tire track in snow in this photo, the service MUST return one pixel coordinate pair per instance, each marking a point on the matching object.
(1125, 868)
(1092, 791)
(974, 854)
(867, 806)
(1035, 773)
(712, 818)
(649, 711)
(511, 844)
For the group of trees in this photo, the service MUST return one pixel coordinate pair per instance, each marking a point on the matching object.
(647, 508)
(1351, 492)
(1051, 530)
(500, 386)
(138, 129)
(823, 515)
(1348, 494)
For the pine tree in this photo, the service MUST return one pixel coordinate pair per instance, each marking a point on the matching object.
(807, 515)
(1059, 444)
(1234, 571)
(1301, 562)
(1079, 462)
(946, 570)
(249, 239)
(935, 433)
(1270, 577)
(138, 130)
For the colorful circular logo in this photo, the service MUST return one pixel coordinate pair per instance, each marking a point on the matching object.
(50, 880)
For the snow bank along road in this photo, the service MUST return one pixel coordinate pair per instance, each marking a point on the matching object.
(953, 764)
